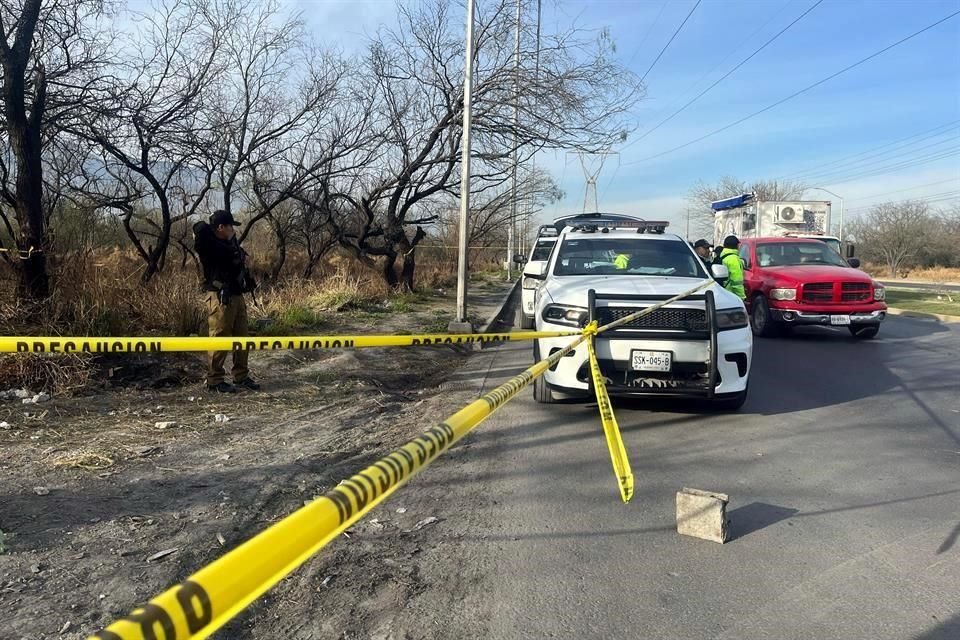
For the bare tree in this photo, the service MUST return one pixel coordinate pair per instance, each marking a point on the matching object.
(148, 121)
(894, 233)
(491, 209)
(48, 56)
(702, 194)
(578, 98)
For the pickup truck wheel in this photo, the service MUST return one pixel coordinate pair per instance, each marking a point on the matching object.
(761, 322)
(864, 331)
(541, 392)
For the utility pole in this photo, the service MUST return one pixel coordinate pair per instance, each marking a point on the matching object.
(688, 223)
(465, 172)
(516, 125)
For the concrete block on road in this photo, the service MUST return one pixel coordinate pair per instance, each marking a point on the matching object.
(460, 328)
(702, 514)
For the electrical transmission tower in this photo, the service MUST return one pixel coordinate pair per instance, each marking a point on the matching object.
(592, 165)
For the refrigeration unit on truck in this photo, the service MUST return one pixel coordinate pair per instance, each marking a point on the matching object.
(745, 216)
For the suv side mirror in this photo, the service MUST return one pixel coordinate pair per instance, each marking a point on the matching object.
(854, 262)
(719, 272)
(537, 272)
(850, 249)
(519, 258)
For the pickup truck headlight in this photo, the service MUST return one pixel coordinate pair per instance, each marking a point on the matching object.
(783, 294)
(879, 293)
(566, 315)
(530, 283)
(727, 319)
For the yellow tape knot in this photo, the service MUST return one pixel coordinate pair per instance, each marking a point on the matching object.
(591, 329)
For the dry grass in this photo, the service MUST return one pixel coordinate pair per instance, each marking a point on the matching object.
(84, 460)
(57, 374)
(924, 274)
(99, 293)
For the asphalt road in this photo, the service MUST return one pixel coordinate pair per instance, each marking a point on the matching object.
(919, 286)
(844, 476)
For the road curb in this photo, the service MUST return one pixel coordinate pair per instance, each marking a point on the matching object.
(497, 318)
(906, 313)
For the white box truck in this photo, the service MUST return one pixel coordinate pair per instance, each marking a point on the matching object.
(745, 216)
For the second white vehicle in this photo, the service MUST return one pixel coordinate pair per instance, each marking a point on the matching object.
(698, 347)
(539, 255)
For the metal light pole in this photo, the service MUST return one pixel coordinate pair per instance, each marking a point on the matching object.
(839, 235)
(465, 171)
(516, 124)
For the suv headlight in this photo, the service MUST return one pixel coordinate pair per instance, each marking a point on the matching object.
(566, 315)
(879, 292)
(727, 319)
(783, 294)
(530, 283)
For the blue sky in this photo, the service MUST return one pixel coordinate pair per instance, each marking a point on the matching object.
(909, 90)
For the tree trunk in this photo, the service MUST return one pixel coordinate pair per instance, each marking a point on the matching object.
(390, 271)
(407, 271)
(25, 143)
(280, 246)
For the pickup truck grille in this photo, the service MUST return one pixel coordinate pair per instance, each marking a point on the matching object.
(661, 319)
(818, 292)
(846, 292)
(855, 292)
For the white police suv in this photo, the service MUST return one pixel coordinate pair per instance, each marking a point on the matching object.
(539, 254)
(698, 347)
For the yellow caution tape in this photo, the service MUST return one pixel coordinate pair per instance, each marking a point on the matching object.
(27, 344)
(208, 599)
(618, 453)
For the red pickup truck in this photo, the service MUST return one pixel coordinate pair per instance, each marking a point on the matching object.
(802, 281)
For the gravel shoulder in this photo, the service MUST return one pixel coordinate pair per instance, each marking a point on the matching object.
(108, 498)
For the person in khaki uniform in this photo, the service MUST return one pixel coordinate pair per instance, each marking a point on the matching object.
(225, 280)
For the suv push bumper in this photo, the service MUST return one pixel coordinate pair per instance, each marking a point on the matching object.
(706, 364)
(790, 316)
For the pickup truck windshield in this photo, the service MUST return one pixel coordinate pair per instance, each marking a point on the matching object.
(788, 254)
(626, 256)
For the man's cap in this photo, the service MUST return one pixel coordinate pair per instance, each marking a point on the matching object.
(701, 243)
(220, 217)
(731, 242)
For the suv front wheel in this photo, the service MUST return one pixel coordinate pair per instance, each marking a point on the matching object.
(541, 392)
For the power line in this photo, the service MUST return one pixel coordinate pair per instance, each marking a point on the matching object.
(887, 193)
(797, 93)
(726, 75)
(842, 160)
(643, 41)
(859, 165)
(933, 198)
(662, 51)
(730, 54)
(915, 162)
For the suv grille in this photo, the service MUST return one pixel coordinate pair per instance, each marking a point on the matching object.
(818, 292)
(675, 319)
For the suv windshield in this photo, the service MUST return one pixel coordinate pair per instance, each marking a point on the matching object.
(783, 254)
(626, 256)
(542, 250)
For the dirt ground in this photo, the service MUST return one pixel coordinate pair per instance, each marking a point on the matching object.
(102, 506)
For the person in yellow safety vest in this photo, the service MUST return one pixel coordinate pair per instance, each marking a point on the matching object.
(730, 258)
(622, 261)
